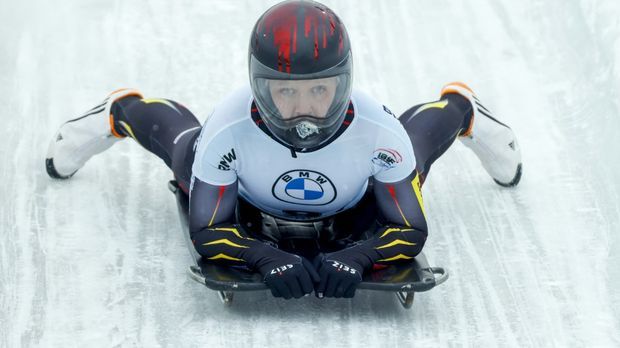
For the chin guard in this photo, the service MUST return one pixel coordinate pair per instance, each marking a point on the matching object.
(305, 129)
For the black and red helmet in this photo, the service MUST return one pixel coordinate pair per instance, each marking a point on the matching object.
(300, 68)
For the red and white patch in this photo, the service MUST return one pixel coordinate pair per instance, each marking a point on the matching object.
(386, 157)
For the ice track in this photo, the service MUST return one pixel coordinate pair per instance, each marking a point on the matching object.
(99, 261)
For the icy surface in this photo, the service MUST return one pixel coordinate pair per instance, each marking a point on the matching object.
(99, 260)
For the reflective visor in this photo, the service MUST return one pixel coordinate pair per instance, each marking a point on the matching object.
(303, 112)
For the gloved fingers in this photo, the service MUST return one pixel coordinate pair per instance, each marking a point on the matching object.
(306, 284)
(340, 289)
(274, 291)
(295, 288)
(314, 275)
(345, 286)
(332, 285)
(284, 290)
(350, 292)
(320, 289)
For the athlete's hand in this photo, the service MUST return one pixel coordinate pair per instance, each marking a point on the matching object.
(339, 275)
(293, 278)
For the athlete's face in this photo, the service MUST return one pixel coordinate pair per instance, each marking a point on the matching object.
(303, 97)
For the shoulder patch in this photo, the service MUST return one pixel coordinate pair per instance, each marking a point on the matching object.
(387, 158)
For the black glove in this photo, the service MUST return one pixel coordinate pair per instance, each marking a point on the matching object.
(290, 278)
(339, 274)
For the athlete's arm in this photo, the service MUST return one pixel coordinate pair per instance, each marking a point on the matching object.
(215, 235)
(405, 230)
(213, 197)
(211, 213)
(218, 239)
(402, 236)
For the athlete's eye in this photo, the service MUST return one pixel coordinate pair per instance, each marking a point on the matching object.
(319, 90)
(287, 92)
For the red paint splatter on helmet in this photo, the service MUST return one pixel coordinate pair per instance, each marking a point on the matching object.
(277, 33)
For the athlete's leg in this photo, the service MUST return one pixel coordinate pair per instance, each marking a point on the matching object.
(433, 127)
(494, 143)
(163, 127)
(81, 138)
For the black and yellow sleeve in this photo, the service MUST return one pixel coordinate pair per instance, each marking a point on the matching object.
(404, 233)
(215, 235)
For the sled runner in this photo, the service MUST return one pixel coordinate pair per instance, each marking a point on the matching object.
(403, 280)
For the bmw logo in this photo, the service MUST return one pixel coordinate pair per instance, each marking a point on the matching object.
(305, 187)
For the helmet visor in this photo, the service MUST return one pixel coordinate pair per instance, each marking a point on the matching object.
(305, 112)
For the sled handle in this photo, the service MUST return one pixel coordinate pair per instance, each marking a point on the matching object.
(442, 272)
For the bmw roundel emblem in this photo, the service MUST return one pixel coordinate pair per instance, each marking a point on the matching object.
(305, 187)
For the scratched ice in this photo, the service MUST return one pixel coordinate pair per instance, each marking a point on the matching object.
(99, 260)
